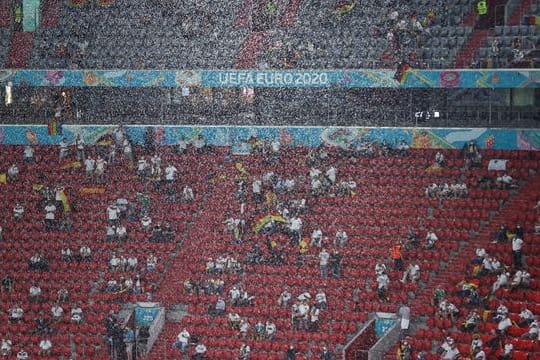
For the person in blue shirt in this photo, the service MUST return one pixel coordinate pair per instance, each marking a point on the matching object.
(129, 340)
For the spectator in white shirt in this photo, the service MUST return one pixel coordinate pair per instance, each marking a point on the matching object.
(76, 314)
(16, 314)
(439, 159)
(170, 173)
(382, 287)
(121, 232)
(62, 295)
(284, 298)
(128, 151)
(113, 213)
(64, 149)
(50, 222)
(331, 175)
(181, 145)
(320, 300)
(316, 236)
(100, 169)
(67, 254)
(257, 190)
(187, 194)
(5, 346)
(402, 148)
(13, 173)
(200, 352)
(18, 212)
(431, 239)
(79, 145)
(182, 340)
(452, 353)
(341, 238)
(316, 186)
(89, 165)
(508, 351)
(295, 230)
(324, 256)
(146, 223)
(504, 324)
(526, 317)
(380, 268)
(22, 355)
(143, 168)
(480, 255)
(517, 245)
(34, 294)
(151, 262)
(533, 332)
(114, 262)
(132, 263)
(155, 162)
(110, 232)
(505, 181)
(412, 273)
(45, 346)
(314, 318)
(270, 330)
(502, 280)
(85, 253)
(28, 154)
(57, 312)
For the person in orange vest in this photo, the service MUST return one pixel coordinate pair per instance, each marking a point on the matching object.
(395, 254)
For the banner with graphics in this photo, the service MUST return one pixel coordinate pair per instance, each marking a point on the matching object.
(360, 78)
(145, 315)
(237, 137)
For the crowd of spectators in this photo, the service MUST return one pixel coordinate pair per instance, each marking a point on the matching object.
(276, 195)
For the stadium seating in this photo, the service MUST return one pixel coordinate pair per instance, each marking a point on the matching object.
(83, 280)
(158, 36)
(372, 218)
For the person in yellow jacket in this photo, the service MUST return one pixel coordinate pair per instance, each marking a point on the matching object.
(18, 11)
(482, 7)
(404, 351)
(482, 10)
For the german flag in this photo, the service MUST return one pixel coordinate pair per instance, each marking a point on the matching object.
(265, 220)
(71, 165)
(105, 140)
(402, 71)
(65, 201)
(52, 127)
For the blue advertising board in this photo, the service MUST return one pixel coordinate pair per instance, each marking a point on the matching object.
(237, 136)
(360, 78)
(145, 316)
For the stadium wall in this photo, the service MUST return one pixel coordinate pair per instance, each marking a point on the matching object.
(236, 137)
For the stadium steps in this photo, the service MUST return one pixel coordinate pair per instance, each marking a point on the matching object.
(249, 52)
(21, 47)
(50, 13)
(468, 51)
(5, 13)
(291, 13)
(523, 8)
(470, 18)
